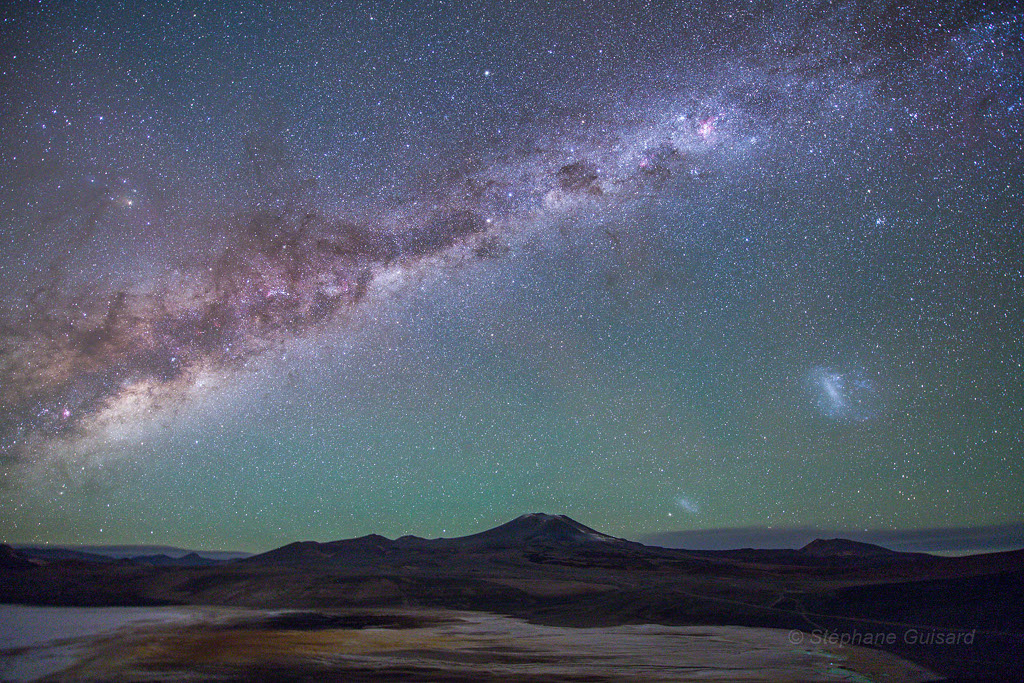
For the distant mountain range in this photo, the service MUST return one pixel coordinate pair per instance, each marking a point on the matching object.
(101, 553)
(941, 541)
(946, 541)
(531, 533)
(189, 559)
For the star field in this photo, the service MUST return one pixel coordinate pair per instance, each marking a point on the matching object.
(286, 272)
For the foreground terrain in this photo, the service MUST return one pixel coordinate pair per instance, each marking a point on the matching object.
(813, 609)
(409, 644)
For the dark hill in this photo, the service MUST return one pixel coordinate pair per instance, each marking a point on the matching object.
(370, 542)
(12, 559)
(161, 560)
(58, 554)
(842, 547)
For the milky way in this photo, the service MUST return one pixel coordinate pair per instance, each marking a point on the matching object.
(493, 260)
(289, 275)
(69, 359)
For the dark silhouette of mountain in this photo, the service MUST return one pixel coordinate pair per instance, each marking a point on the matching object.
(354, 551)
(945, 540)
(12, 559)
(535, 532)
(539, 538)
(535, 529)
(161, 560)
(54, 554)
(96, 553)
(836, 553)
(841, 547)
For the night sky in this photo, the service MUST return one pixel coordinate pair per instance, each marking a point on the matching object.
(283, 271)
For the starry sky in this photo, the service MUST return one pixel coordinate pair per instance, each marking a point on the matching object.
(307, 270)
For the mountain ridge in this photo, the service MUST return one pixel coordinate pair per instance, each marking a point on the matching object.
(544, 537)
(534, 531)
(844, 547)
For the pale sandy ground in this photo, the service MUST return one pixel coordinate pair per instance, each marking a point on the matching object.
(127, 644)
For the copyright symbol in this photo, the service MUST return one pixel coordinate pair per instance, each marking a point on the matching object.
(796, 637)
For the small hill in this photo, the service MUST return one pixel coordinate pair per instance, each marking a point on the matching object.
(190, 560)
(12, 559)
(58, 554)
(842, 547)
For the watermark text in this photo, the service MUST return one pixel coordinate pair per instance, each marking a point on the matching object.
(856, 637)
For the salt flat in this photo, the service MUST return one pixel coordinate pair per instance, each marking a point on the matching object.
(136, 643)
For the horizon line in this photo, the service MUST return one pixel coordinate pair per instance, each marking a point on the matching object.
(966, 539)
